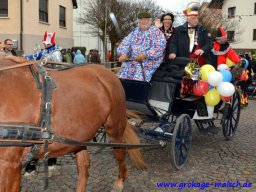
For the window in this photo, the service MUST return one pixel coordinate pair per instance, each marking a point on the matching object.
(254, 8)
(62, 16)
(231, 12)
(3, 8)
(231, 35)
(43, 11)
(254, 34)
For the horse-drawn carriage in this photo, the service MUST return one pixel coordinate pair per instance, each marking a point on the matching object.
(169, 113)
(37, 105)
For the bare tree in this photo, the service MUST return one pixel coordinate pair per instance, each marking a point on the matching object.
(96, 15)
(213, 18)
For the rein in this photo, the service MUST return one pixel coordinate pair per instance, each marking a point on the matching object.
(43, 62)
(19, 65)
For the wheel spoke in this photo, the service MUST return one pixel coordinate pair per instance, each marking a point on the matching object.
(185, 147)
(181, 157)
(234, 118)
(232, 127)
(235, 107)
(183, 127)
(178, 144)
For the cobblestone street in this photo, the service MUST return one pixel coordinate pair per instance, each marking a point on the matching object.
(212, 159)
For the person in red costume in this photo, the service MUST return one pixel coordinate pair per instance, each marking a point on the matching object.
(222, 49)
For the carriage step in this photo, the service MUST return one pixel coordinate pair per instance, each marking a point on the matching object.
(210, 130)
(205, 121)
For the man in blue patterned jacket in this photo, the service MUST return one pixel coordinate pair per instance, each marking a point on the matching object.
(145, 44)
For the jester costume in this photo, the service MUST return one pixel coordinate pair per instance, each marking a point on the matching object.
(51, 54)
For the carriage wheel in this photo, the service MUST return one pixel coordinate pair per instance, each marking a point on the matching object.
(181, 141)
(231, 116)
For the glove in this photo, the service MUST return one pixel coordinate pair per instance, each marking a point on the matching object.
(122, 57)
(140, 57)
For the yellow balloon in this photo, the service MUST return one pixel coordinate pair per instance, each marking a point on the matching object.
(229, 62)
(212, 97)
(205, 70)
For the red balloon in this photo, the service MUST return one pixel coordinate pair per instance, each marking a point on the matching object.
(226, 98)
(200, 88)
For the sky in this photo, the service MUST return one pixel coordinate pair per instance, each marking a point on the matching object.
(176, 5)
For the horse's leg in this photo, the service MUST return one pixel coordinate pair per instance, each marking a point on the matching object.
(116, 136)
(83, 163)
(10, 176)
(120, 157)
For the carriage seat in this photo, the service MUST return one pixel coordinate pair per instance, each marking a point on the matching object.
(171, 71)
(136, 91)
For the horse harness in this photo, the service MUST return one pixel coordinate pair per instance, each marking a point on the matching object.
(29, 135)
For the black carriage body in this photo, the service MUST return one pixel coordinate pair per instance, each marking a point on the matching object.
(164, 88)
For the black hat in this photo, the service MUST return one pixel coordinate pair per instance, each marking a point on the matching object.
(144, 15)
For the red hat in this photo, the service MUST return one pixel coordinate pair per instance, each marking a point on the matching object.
(49, 38)
(192, 9)
(221, 33)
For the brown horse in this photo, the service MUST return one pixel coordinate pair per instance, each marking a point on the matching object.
(85, 99)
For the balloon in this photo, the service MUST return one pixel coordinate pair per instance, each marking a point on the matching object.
(246, 63)
(206, 70)
(227, 76)
(212, 97)
(243, 76)
(200, 88)
(215, 78)
(226, 89)
(222, 67)
(226, 98)
(229, 62)
(211, 87)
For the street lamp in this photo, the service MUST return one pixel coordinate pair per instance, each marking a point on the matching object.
(105, 31)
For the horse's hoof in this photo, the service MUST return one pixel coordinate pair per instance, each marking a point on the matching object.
(118, 186)
(30, 175)
(52, 169)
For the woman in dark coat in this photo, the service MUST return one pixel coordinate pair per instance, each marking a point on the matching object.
(167, 20)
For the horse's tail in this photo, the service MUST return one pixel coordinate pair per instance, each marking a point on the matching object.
(131, 137)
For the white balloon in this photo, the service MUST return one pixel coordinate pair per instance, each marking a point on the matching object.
(215, 78)
(222, 67)
(226, 89)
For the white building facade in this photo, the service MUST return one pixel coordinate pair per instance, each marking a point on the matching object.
(245, 12)
(82, 36)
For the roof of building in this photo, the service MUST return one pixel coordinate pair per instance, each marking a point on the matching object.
(74, 4)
